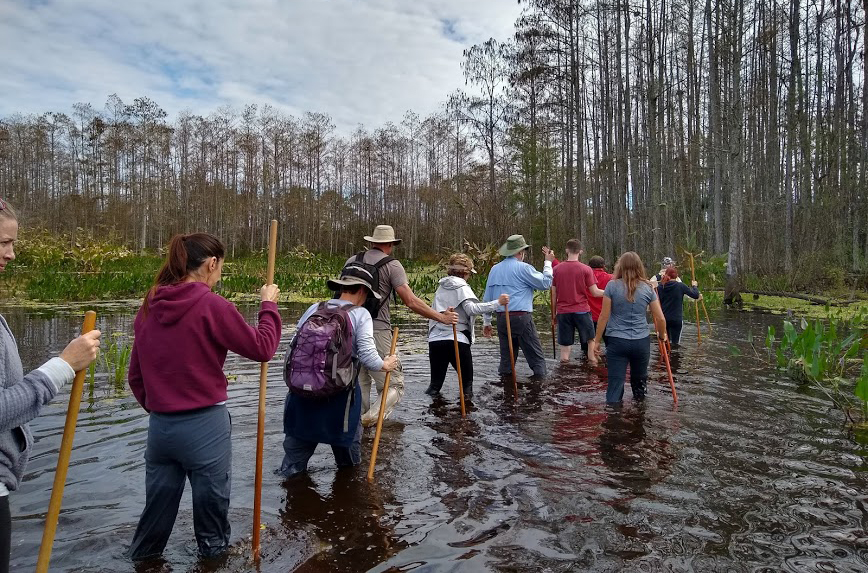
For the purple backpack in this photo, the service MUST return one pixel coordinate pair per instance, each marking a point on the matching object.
(320, 361)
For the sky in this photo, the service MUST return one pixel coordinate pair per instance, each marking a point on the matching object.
(359, 61)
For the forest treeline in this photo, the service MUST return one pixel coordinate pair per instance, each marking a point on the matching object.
(726, 126)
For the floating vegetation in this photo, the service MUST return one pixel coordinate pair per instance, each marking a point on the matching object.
(828, 354)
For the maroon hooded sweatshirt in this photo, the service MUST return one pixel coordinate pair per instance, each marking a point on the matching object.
(180, 346)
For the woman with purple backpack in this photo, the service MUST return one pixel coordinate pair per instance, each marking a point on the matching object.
(183, 332)
(324, 403)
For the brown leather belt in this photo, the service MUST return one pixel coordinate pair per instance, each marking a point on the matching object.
(515, 312)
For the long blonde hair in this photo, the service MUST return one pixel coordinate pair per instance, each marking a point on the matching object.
(630, 269)
(6, 210)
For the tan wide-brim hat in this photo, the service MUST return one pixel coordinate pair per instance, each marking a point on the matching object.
(346, 280)
(513, 245)
(461, 263)
(382, 234)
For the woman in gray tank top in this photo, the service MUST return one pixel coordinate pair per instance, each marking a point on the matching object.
(623, 320)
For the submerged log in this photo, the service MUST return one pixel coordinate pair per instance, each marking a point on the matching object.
(809, 298)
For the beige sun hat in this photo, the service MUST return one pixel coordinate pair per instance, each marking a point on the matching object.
(382, 234)
(513, 245)
(460, 262)
(354, 275)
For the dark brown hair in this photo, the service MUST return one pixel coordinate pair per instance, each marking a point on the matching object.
(186, 253)
(597, 262)
(574, 246)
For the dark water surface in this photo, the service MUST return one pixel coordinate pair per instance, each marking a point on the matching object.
(746, 474)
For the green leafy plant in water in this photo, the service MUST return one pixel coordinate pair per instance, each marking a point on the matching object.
(826, 354)
(115, 360)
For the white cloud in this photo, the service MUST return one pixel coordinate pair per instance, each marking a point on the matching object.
(360, 61)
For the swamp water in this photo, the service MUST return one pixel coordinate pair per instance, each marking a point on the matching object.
(748, 473)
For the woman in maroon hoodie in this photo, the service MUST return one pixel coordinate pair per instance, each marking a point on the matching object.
(183, 332)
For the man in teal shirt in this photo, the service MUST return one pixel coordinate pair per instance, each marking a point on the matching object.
(518, 279)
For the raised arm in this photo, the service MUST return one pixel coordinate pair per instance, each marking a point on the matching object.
(692, 291)
(418, 306)
(473, 307)
(539, 280)
(258, 343)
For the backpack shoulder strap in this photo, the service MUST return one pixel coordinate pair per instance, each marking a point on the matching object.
(384, 261)
(360, 257)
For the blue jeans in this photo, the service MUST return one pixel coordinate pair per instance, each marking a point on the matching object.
(298, 452)
(619, 353)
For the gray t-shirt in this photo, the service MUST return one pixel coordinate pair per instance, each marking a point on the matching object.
(628, 319)
(392, 276)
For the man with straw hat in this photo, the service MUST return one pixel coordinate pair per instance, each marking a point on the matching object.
(518, 279)
(390, 277)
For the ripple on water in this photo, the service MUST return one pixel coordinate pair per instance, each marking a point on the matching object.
(747, 473)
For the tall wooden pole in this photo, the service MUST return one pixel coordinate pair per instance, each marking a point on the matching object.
(458, 369)
(665, 354)
(260, 426)
(63, 459)
(382, 415)
(511, 351)
(693, 278)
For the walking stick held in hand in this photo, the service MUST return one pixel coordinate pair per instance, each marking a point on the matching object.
(693, 278)
(383, 408)
(511, 351)
(458, 367)
(554, 322)
(260, 426)
(705, 310)
(63, 458)
(669, 371)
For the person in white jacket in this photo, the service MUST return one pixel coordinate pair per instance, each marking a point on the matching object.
(455, 294)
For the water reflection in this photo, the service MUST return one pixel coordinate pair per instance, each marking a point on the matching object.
(345, 516)
(635, 459)
(746, 475)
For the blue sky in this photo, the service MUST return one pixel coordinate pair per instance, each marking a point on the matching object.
(360, 61)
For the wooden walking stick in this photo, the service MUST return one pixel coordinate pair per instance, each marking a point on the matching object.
(260, 426)
(511, 351)
(693, 278)
(669, 371)
(554, 321)
(382, 415)
(63, 459)
(458, 370)
(705, 310)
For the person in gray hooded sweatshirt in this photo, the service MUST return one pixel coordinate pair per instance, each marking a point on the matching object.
(455, 294)
(22, 396)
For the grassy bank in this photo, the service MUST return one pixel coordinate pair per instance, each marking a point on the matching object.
(63, 269)
(52, 269)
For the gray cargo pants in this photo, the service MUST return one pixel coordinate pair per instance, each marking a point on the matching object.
(194, 445)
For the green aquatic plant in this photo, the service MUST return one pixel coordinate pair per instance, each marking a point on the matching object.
(829, 354)
(115, 359)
